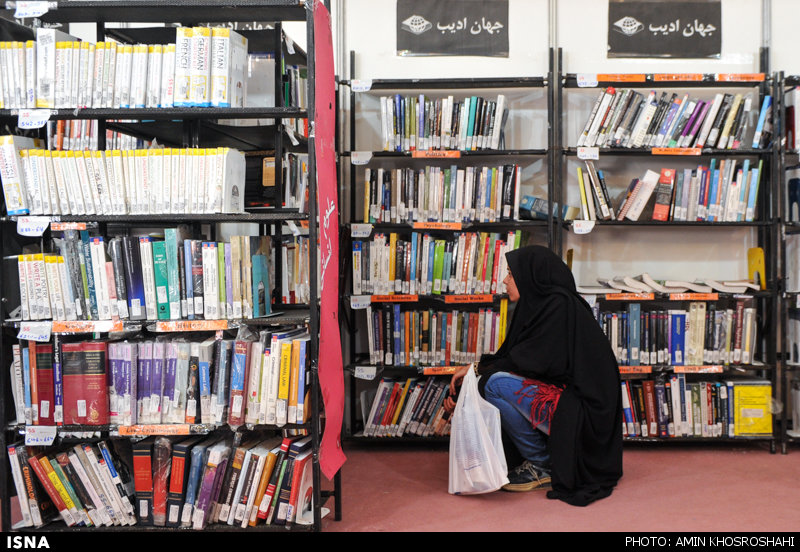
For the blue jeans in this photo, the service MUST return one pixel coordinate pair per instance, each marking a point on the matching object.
(502, 390)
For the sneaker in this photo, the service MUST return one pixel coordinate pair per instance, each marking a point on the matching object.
(527, 477)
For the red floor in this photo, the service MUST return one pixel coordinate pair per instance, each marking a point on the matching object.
(665, 488)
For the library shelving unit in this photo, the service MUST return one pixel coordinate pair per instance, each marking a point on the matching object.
(575, 95)
(525, 142)
(185, 127)
(790, 296)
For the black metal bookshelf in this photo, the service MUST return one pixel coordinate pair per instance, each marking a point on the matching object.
(192, 125)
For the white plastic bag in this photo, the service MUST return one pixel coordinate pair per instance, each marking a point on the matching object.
(477, 461)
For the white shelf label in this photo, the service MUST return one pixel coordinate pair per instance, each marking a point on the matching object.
(358, 302)
(33, 118)
(582, 226)
(360, 157)
(366, 372)
(587, 80)
(361, 85)
(586, 152)
(32, 226)
(35, 331)
(361, 230)
(31, 9)
(40, 436)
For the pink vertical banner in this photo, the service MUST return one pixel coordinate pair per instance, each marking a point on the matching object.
(331, 376)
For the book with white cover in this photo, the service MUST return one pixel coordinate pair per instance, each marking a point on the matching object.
(200, 67)
(154, 66)
(648, 184)
(12, 173)
(636, 284)
(659, 286)
(183, 57)
(232, 167)
(228, 67)
(694, 287)
(46, 40)
(148, 277)
(167, 94)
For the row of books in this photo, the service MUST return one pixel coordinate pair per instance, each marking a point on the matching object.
(705, 333)
(672, 406)
(295, 93)
(410, 123)
(167, 481)
(83, 134)
(204, 67)
(85, 485)
(118, 182)
(426, 337)
(627, 118)
(142, 278)
(436, 194)
(723, 191)
(412, 407)
(466, 263)
(254, 379)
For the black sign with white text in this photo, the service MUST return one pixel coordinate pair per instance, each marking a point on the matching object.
(452, 28)
(665, 29)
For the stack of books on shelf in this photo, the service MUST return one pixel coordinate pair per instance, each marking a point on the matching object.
(190, 482)
(626, 118)
(699, 334)
(410, 123)
(205, 67)
(410, 407)
(644, 283)
(118, 182)
(436, 194)
(466, 263)
(427, 337)
(253, 379)
(722, 191)
(672, 407)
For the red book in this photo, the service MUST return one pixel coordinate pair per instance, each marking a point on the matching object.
(266, 500)
(143, 480)
(496, 276)
(650, 407)
(41, 360)
(85, 373)
(481, 283)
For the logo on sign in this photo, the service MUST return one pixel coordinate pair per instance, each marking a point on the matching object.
(416, 24)
(628, 26)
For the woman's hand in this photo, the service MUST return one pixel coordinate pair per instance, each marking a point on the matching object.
(455, 384)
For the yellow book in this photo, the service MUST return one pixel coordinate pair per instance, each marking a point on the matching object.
(266, 473)
(503, 321)
(282, 405)
(756, 268)
(752, 413)
(584, 206)
(401, 402)
(392, 259)
(296, 378)
(56, 481)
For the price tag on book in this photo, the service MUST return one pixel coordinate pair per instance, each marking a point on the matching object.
(587, 152)
(40, 436)
(361, 85)
(32, 226)
(586, 80)
(360, 157)
(360, 230)
(365, 372)
(35, 331)
(28, 9)
(358, 302)
(582, 226)
(33, 118)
